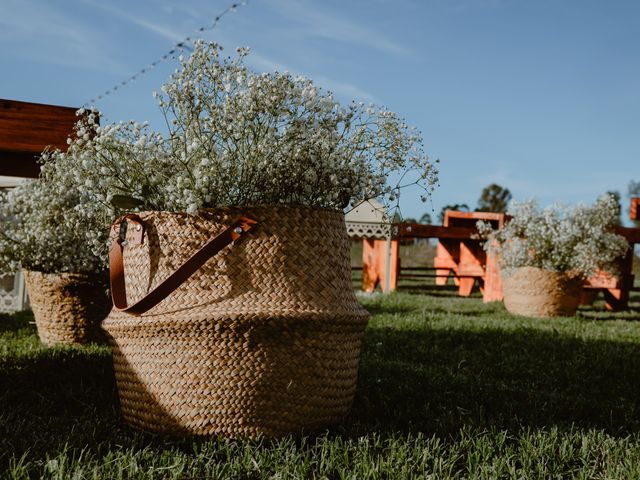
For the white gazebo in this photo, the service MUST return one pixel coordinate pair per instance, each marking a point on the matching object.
(368, 221)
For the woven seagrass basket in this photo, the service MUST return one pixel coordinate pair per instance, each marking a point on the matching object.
(264, 338)
(68, 307)
(534, 292)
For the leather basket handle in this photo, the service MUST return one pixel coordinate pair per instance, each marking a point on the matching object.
(116, 266)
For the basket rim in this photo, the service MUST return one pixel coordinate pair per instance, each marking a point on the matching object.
(240, 207)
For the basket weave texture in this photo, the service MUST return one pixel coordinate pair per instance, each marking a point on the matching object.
(68, 307)
(263, 339)
(535, 292)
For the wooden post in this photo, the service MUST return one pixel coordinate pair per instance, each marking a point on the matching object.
(446, 260)
(634, 211)
(492, 281)
(376, 255)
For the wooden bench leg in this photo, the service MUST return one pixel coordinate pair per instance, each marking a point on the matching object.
(442, 276)
(587, 297)
(374, 265)
(616, 298)
(446, 260)
(370, 275)
(492, 291)
(465, 286)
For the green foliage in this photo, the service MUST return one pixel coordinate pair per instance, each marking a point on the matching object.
(448, 388)
(425, 219)
(494, 198)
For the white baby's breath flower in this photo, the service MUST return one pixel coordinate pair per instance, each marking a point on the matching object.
(236, 137)
(558, 238)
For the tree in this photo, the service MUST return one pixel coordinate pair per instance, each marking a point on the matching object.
(425, 219)
(494, 198)
(463, 207)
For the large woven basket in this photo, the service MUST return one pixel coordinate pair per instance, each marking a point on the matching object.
(535, 292)
(68, 307)
(264, 338)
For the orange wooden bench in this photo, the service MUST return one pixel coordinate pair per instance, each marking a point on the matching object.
(459, 255)
(616, 289)
(465, 260)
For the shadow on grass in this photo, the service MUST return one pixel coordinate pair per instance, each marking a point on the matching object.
(597, 311)
(57, 397)
(468, 312)
(16, 321)
(385, 308)
(439, 381)
(446, 291)
(431, 380)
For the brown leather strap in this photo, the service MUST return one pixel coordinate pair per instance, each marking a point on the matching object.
(116, 266)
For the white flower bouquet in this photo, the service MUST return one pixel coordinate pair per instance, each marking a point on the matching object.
(241, 149)
(43, 234)
(575, 240)
(236, 137)
(41, 231)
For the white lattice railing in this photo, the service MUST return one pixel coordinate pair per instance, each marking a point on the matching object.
(13, 295)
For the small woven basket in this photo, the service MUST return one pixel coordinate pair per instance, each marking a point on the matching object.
(68, 307)
(534, 292)
(263, 339)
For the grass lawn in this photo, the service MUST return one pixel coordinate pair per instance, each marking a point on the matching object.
(448, 388)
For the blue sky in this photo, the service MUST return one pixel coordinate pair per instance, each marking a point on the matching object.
(542, 97)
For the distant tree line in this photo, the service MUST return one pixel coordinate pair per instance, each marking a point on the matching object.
(495, 198)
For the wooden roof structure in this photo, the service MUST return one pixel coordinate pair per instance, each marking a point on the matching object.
(26, 129)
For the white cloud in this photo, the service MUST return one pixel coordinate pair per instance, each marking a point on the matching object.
(266, 64)
(49, 36)
(344, 89)
(347, 90)
(553, 186)
(325, 24)
(153, 27)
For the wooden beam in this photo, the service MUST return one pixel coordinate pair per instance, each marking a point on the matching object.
(475, 215)
(19, 164)
(418, 230)
(26, 129)
(634, 211)
(631, 234)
